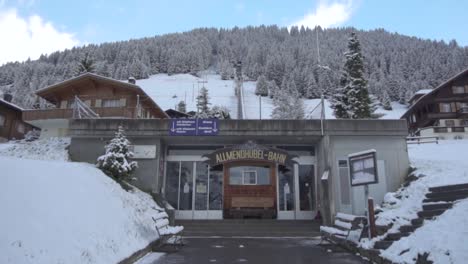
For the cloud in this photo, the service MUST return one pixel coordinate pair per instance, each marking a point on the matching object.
(24, 38)
(327, 14)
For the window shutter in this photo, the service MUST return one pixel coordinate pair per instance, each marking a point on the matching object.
(123, 102)
(63, 104)
(98, 103)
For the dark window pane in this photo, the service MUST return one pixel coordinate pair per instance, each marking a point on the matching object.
(172, 183)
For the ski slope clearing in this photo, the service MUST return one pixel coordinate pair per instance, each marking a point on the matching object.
(167, 91)
(66, 212)
(436, 165)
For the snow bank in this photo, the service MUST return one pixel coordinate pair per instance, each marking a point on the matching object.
(397, 111)
(436, 165)
(41, 149)
(62, 212)
(440, 238)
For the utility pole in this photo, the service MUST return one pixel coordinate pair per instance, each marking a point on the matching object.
(260, 105)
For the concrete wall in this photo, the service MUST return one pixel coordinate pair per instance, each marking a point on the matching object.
(392, 156)
(89, 149)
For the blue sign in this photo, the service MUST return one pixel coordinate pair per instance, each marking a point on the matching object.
(193, 127)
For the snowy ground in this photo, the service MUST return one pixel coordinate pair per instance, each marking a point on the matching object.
(66, 212)
(44, 149)
(436, 165)
(168, 91)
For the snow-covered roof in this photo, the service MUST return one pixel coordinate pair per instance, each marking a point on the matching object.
(423, 91)
(11, 105)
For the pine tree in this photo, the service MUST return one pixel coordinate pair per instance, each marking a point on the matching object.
(287, 105)
(386, 102)
(262, 86)
(115, 163)
(85, 65)
(220, 112)
(352, 100)
(203, 102)
(182, 107)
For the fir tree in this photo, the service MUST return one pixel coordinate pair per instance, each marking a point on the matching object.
(287, 105)
(386, 102)
(262, 86)
(182, 107)
(85, 65)
(220, 112)
(203, 102)
(352, 100)
(116, 162)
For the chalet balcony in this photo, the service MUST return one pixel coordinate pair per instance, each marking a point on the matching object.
(56, 113)
(463, 112)
(442, 115)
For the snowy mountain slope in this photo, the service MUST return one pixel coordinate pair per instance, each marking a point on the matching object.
(167, 91)
(66, 212)
(436, 165)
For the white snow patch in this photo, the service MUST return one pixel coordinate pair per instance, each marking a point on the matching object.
(437, 165)
(41, 149)
(397, 111)
(439, 238)
(63, 212)
(167, 91)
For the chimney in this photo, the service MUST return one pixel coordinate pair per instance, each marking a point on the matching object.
(131, 80)
(7, 97)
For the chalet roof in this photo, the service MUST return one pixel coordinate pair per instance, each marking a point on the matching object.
(174, 113)
(431, 92)
(423, 91)
(10, 105)
(48, 91)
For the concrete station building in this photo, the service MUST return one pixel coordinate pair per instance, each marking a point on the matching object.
(215, 169)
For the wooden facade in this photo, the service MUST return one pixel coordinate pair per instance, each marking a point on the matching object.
(250, 200)
(445, 106)
(11, 122)
(106, 97)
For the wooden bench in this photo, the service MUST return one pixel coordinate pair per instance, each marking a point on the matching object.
(346, 228)
(170, 237)
(252, 202)
(247, 206)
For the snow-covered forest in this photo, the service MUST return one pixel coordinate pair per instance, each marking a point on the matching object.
(395, 65)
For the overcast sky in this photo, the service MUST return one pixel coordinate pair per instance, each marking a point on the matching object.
(32, 27)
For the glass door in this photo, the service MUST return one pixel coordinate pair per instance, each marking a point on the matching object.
(186, 190)
(286, 193)
(305, 191)
(194, 189)
(201, 191)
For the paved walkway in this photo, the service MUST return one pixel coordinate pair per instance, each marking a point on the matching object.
(258, 251)
(250, 228)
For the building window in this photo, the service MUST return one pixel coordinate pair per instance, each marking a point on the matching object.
(450, 123)
(440, 130)
(111, 103)
(249, 177)
(445, 108)
(458, 89)
(2, 120)
(464, 122)
(20, 128)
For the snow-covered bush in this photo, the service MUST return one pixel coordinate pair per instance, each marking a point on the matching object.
(32, 135)
(115, 162)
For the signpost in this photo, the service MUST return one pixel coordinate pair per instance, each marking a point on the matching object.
(363, 171)
(193, 127)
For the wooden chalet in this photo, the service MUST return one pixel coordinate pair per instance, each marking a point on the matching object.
(12, 125)
(103, 98)
(441, 112)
